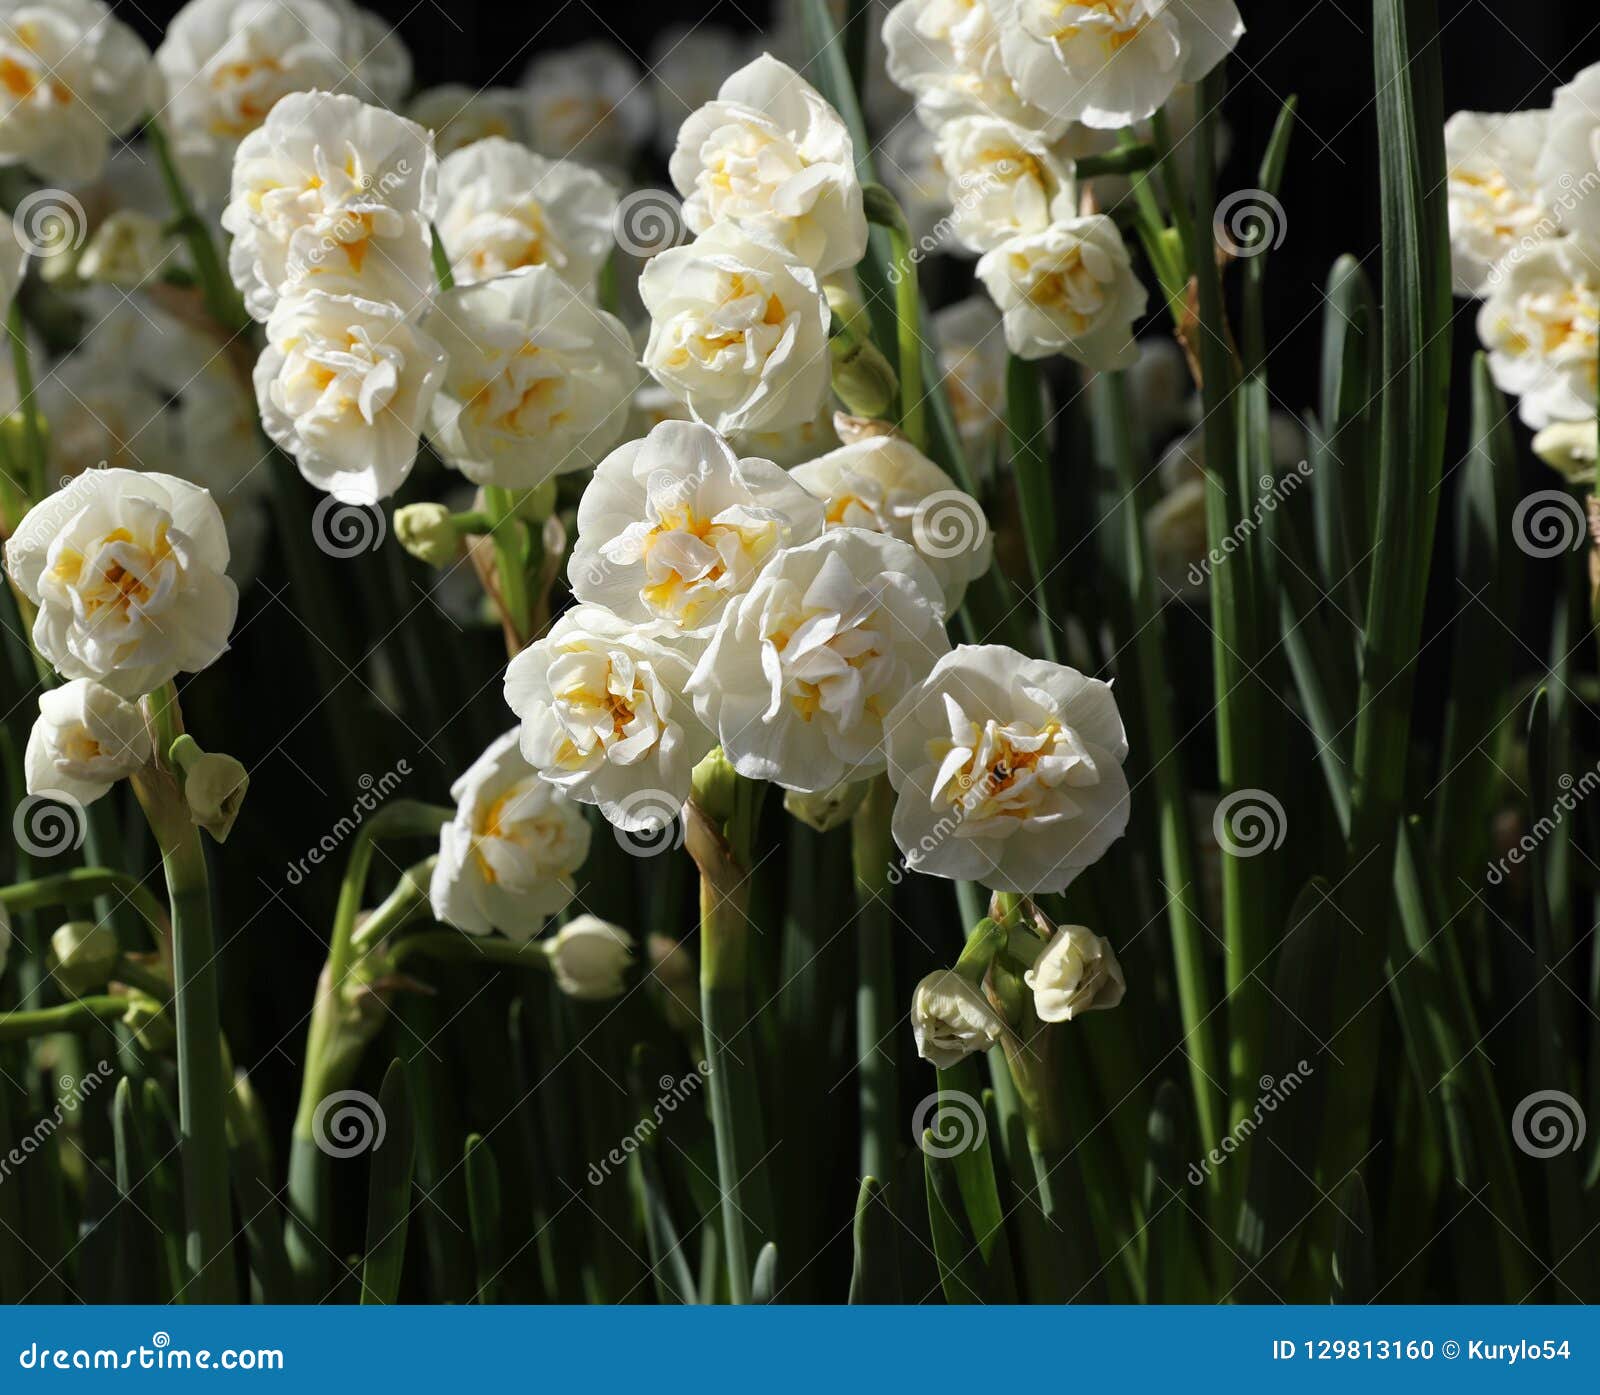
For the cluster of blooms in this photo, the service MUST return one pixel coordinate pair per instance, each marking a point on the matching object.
(1009, 89)
(1524, 198)
(513, 372)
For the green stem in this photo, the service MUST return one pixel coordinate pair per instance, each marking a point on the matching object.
(452, 947)
(202, 1086)
(908, 316)
(506, 537)
(22, 365)
(338, 1034)
(872, 849)
(722, 827)
(1025, 423)
(222, 300)
(1165, 763)
(87, 884)
(83, 1015)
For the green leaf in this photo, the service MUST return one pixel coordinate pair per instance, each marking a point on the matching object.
(137, 1264)
(962, 1274)
(389, 1191)
(1168, 1242)
(1353, 1266)
(764, 1282)
(483, 1205)
(975, 1169)
(876, 1275)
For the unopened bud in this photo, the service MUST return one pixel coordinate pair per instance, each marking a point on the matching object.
(428, 533)
(126, 250)
(84, 955)
(1569, 447)
(829, 808)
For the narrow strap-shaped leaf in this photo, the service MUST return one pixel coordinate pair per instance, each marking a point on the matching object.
(669, 1263)
(1353, 1264)
(875, 1277)
(138, 1269)
(1344, 482)
(161, 1186)
(764, 1282)
(389, 1191)
(962, 1273)
(1025, 426)
(1282, 1133)
(483, 1205)
(1168, 1245)
(962, 1097)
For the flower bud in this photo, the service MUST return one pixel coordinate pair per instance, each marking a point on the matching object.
(126, 250)
(428, 533)
(589, 957)
(828, 808)
(1569, 447)
(951, 1019)
(150, 1023)
(214, 787)
(673, 968)
(862, 377)
(84, 954)
(1076, 972)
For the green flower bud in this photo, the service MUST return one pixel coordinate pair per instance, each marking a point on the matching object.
(150, 1024)
(214, 786)
(428, 533)
(829, 808)
(83, 955)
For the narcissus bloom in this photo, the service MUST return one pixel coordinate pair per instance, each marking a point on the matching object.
(672, 527)
(972, 356)
(502, 207)
(1495, 207)
(805, 667)
(1541, 325)
(228, 62)
(85, 739)
(536, 379)
(1110, 63)
(344, 385)
(588, 102)
(604, 715)
(74, 77)
(951, 1019)
(1068, 290)
(770, 153)
(946, 53)
(1076, 972)
(334, 195)
(589, 956)
(1007, 771)
(884, 483)
(507, 859)
(129, 573)
(738, 330)
(1568, 170)
(1004, 180)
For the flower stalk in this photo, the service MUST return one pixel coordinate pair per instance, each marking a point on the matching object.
(877, 1021)
(720, 836)
(202, 1085)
